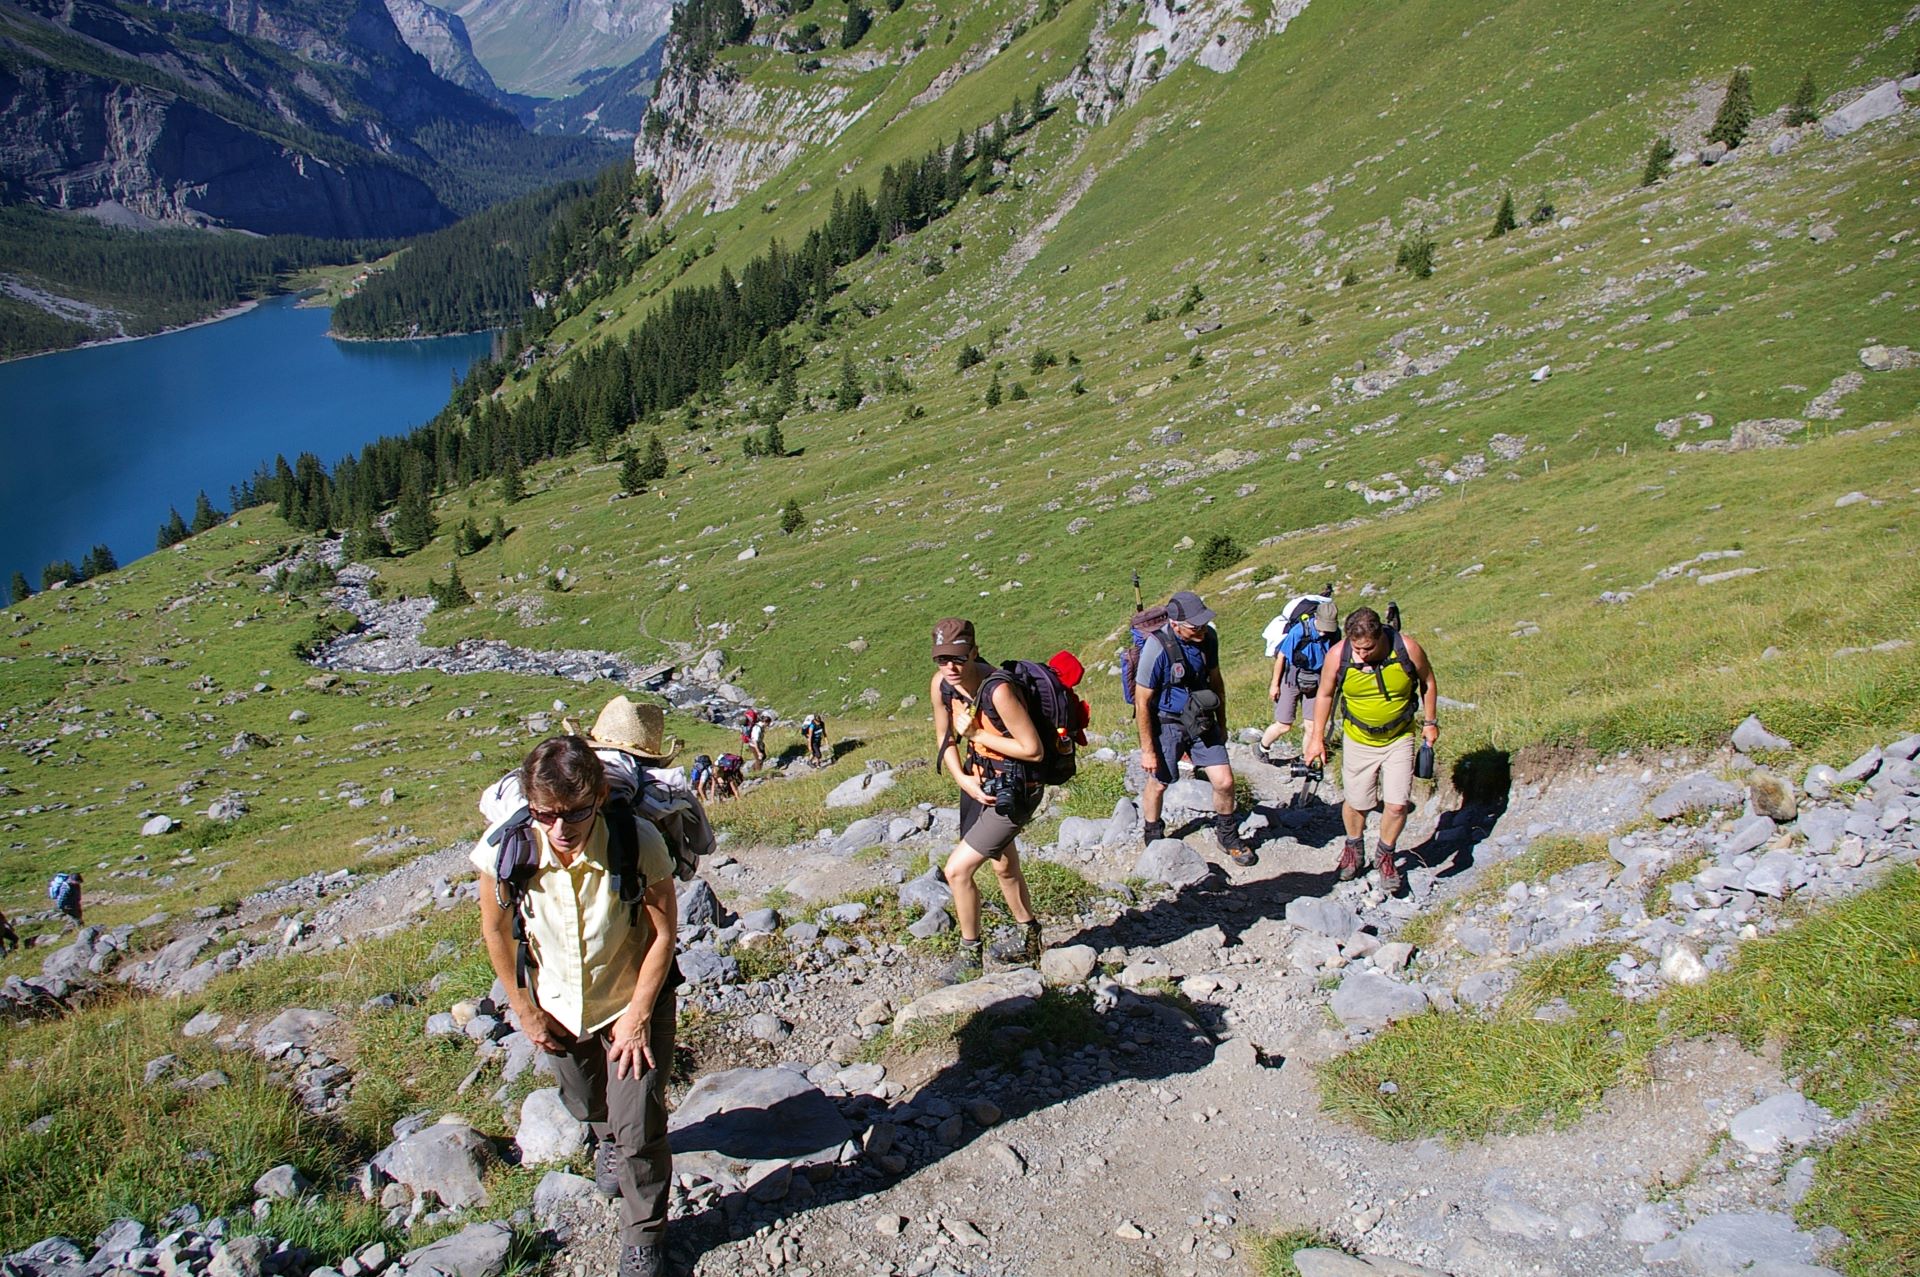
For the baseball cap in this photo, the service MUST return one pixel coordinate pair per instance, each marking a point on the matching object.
(1186, 608)
(953, 637)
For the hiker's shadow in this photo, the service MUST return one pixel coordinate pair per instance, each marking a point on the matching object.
(1483, 780)
(1019, 1057)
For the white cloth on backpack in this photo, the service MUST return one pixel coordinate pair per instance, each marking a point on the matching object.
(1277, 628)
(668, 801)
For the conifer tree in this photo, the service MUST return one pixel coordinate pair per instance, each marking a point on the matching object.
(204, 514)
(633, 480)
(791, 519)
(498, 532)
(1736, 110)
(858, 20)
(468, 540)
(1039, 109)
(173, 531)
(20, 589)
(453, 592)
(1803, 111)
(993, 390)
(1016, 115)
(1659, 161)
(366, 542)
(654, 467)
(98, 562)
(57, 571)
(776, 445)
(513, 487)
(1504, 220)
(413, 522)
(848, 394)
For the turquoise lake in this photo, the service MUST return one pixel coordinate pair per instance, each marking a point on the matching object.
(99, 442)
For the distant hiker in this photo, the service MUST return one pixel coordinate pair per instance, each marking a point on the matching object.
(577, 910)
(64, 891)
(813, 731)
(9, 938)
(729, 770)
(701, 776)
(1180, 708)
(1386, 696)
(1308, 628)
(755, 738)
(988, 742)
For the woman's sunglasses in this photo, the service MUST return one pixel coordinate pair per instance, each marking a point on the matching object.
(577, 816)
(956, 661)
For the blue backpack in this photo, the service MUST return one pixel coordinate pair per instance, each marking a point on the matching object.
(1306, 648)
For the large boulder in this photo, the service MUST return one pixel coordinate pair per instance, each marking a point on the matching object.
(548, 1132)
(478, 1250)
(1002, 993)
(1191, 794)
(870, 831)
(698, 904)
(1786, 1120)
(927, 892)
(298, 1027)
(445, 1160)
(1171, 862)
(1366, 999)
(73, 962)
(735, 1122)
(1323, 916)
(557, 1190)
(1876, 103)
(1078, 832)
(1068, 965)
(1737, 1241)
(1752, 737)
(858, 791)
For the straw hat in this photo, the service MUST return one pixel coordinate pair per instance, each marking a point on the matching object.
(639, 730)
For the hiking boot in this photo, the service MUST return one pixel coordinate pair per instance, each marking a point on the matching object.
(1153, 831)
(1350, 859)
(968, 965)
(643, 1261)
(1032, 944)
(1390, 875)
(606, 1166)
(1226, 832)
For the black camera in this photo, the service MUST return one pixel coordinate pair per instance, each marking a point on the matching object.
(1003, 791)
(1312, 773)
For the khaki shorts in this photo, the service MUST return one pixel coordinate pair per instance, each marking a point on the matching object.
(1372, 774)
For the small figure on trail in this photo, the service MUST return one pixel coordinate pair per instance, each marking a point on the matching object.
(1381, 687)
(1307, 630)
(577, 910)
(701, 777)
(64, 891)
(728, 771)
(813, 731)
(988, 742)
(755, 737)
(9, 938)
(1180, 708)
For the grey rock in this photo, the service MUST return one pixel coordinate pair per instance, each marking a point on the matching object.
(478, 1250)
(1322, 1262)
(1821, 827)
(858, 791)
(1752, 737)
(1772, 796)
(1367, 999)
(281, 1183)
(1862, 767)
(768, 1027)
(697, 904)
(1783, 1121)
(1068, 965)
(1820, 780)
(1485, 988)
(120, 1237)
(1782, 142)
(1001, 993)
(1310, 951)
(298, 1027)
(1905, 749)
(1190, 794)
(548, 1131)
(1518, 1218)
(702, 964)
(802, 934)
(159, 1067)
(1877, 103)
(1775, 874)
(559, 1189)
(240, 1257)
(1712, 153)
(227, 809)
(1648, 1224)
(929, 891)
(735, 1120)
(445, 1160)
(159, 825)
(1735, 1241)
(845, 914)
(201, 1025)
(901, 828)
(1323, 916)
(1077, 832)
(765, 920)
(1171, 862)
(932, 923)
(1681, 965)
(48, 1257)
(1696, 792)
(1393, 956)
(870, 831)
(1747, 836)
(441, 1024)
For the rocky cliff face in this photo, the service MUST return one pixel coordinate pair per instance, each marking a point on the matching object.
(71, 140)
(1123, 61)
(545, 48)
(441, 38)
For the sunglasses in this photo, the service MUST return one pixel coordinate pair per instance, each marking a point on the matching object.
(577, 816)
(956, 661)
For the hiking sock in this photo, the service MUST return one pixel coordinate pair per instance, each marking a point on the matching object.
(1350, 858)
(1226, 832)
(1389, 870)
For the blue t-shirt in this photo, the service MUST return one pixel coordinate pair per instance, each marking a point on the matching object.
(1156, 667)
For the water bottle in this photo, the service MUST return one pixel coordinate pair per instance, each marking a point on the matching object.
(1423, 762)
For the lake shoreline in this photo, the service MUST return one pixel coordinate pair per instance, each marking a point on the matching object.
(231, 312)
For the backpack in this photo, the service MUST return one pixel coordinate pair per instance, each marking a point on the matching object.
(1142, 627)
(1055, 709)
(731, 762)
(60, 888)
(517, 856)
(1403, 658)
(1306, 648)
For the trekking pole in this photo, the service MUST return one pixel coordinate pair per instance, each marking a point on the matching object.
(1137, 605)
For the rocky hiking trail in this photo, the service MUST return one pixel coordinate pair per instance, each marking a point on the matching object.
(1146, 1101)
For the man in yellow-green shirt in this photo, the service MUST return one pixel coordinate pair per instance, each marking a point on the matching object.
(1388, 698)
(599, 997)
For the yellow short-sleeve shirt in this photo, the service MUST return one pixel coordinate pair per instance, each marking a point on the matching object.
(587, 946)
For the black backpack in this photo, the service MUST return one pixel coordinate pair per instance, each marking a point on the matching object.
(518, 855)
(1055, 709)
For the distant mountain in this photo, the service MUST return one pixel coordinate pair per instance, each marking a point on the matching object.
(277, 116)
(611, 104)
(548, 48)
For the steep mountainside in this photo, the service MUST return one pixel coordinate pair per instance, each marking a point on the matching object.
(610, 103)
(441, 38)
(312, 119)
(547, 48)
